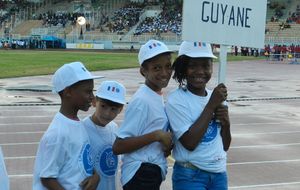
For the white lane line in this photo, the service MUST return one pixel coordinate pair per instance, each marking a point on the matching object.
(233, 147)
(248, 124)
(264, 185)
(263, 162)
(20, 175)
(21, 132)
(20, 157)
(234, 135)
(26, 116)
(265, 145)
(265, 133)
(229, 164)
(272, 123)
(22, 124)
(21, 143)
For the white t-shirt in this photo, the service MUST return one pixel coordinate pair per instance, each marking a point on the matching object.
(4, 181)
(145, 113)
(64, 154)
(104, 161)
(183, 109)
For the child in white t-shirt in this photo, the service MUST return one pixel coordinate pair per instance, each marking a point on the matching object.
(109, 102)
(193, 110)
(63, 159)
(143, 136)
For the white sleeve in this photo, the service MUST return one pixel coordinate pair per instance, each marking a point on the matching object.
(134, 121)
(52, 154)
(179, 117)
(4, 181)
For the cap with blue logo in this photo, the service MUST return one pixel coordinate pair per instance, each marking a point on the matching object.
(69, 74)
(113, 91)
(196, 49)
(151, 49)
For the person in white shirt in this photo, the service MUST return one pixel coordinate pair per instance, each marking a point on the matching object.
(143, 136)
(199, 121)
(109, 102)
(63, 159)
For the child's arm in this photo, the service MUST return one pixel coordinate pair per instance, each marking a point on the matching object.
(91, 183)
(51, 184)
(191, 138)
(131, 144)
(222, 115)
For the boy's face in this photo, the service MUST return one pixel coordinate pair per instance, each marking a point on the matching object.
(105, 112)
(81, 94)
(199, 71)
(157, 72)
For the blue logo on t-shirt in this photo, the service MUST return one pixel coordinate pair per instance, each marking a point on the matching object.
(108, 162)
(211, 131)
(87, 159)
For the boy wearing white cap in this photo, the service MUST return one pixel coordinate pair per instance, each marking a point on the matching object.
(200, 142)
(63, 158)
(109, 101)
(143, 136)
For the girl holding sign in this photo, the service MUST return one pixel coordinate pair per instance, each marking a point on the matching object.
(193, 110)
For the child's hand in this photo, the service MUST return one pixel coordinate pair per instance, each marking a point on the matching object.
(167, 151)
(165, 138)
(218, 96)
(221, 114)
(166, 141)
(91, 182)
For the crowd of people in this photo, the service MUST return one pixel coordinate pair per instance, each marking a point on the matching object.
(278, 10)
(126, 17)
(169, 20)
(294, 17)
(56, 19)
(8, 8)
(282, 51)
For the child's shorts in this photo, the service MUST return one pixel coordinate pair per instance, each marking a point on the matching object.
(147, 177)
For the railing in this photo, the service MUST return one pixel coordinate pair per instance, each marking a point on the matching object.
(118, 38)
(170, 38)
(282, 40)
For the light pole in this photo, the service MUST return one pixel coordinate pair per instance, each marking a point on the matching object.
(81, 21)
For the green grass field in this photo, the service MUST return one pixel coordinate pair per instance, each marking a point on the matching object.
(18, 63)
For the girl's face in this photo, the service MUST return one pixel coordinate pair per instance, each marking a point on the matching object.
(157, 72)
(198, 73)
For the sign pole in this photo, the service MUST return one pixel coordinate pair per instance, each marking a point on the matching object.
(222, 63)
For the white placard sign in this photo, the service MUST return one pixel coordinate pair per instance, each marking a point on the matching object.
(227, 22)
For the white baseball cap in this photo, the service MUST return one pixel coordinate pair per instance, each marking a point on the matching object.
(151, 49)
(196, 49)
(113, 91)
(69, 74)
